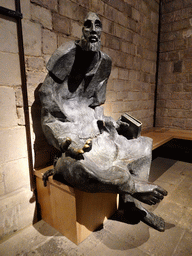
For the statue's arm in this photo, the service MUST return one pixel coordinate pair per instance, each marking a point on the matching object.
(55, 125)
(59, 131)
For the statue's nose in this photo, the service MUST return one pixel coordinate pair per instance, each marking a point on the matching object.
(93, 27)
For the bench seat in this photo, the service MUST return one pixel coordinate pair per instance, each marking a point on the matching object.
(161, 136)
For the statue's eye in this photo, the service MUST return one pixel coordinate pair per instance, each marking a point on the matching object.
(98, 23)
(87, 24)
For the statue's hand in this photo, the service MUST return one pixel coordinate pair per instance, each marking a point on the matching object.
(151, 194)
(78, 153)
(65, 144)
(122, 125)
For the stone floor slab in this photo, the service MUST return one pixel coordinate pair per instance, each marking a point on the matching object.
(158, 166)
(182, 195)
(170, 211)
(104, 250)
(27, 239)
(172, 177)
(162, 243)
(51, 248)
(184, 247)
(186, 219)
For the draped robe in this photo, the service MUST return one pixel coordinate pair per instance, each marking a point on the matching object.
(71, 108)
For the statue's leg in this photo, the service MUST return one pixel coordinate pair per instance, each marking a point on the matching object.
(86, 176)
(118, 177)
(138, 159)
(138, 154)
(151, 219)
(134, 212)
(140, 169)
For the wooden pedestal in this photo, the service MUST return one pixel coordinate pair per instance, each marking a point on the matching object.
(72, 212)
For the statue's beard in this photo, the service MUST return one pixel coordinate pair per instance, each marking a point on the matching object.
(88, 46)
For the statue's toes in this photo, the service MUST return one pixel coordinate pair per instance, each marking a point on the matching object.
(162, 191)
(158, 196)
(155, 200)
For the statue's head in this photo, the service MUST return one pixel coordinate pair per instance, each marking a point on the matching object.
(91, 39)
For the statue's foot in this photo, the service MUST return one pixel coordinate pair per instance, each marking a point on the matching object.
(149, 193)
(154, 221)
(151, 219)
(134, 213)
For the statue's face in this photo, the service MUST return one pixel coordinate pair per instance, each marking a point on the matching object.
(92, 28)
(92, 32)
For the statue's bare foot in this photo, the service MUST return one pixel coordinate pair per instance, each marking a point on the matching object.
(149, 193)
(154, 221)
(135, 212)
(150, 218)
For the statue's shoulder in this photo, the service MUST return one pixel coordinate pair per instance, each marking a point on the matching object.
(63, 50)
(62, 59)
(106, 64)
(105, 57)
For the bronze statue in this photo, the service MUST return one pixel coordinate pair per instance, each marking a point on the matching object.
(95, 157)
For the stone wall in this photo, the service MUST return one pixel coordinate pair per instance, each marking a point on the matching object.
(15, 209)
(174, 105)
(129, 36)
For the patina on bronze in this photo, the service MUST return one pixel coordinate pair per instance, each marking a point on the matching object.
(95, 157)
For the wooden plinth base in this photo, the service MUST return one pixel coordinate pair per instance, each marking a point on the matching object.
(72, 212)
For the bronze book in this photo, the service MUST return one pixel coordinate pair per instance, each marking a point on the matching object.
(133, 128)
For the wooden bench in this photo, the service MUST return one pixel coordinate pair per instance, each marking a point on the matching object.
(74, 213)
(161, 136)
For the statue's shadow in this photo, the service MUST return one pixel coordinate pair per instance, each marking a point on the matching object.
(43, 152)
(118, 234)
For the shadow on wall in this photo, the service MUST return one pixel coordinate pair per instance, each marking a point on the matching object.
(43, 152)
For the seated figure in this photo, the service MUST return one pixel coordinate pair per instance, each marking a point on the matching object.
(95, 157)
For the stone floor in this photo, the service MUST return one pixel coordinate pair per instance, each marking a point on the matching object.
(118, 238)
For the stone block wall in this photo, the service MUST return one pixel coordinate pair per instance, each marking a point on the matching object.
(174, 104)
(129, 36)
(130, 39)
(15, 209)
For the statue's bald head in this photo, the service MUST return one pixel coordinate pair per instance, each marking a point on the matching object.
(91, 39)
(92, 16)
